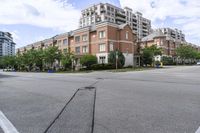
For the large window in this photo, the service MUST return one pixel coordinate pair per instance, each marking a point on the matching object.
(127, 35)
(77, 39)
(102, 34)
(102, 47)
(65, 42)
(111, 47)
(102, 59)
(85, 38)
(85, 49)
(77, 50)
(59, 43)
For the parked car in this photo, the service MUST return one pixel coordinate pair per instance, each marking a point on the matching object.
(198, 63)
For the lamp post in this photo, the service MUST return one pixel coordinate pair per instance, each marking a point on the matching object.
(116, 56)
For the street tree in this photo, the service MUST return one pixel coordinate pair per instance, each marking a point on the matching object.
(148, 54)
(52, 54)
(113, 55)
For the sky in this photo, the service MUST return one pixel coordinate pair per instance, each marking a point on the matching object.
(33, 20)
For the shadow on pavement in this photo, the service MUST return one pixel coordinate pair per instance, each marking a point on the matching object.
(6, 76)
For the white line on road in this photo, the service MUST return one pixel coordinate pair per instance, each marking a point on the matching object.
(6, 125)
(198, 130)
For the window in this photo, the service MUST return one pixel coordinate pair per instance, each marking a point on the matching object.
(59, 42)
(111, 46)
(77, 39)
(102, 34)
(84, 49)
(102, 47)
(127, 35)
(102, 59)
(77, 50)
(65, 42)
(108, 8)
(84, 37)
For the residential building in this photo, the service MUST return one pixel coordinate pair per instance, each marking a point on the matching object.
(167, 39)
(7, 46)
(97, 40)
(106, 12)
(173, 33)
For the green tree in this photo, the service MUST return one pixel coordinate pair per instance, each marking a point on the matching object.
(1, 62)
(66, 60)
(198, 55)
(186, 52)
(51, 54)
(38, 58)
(167, 60)
(120, 60)
(8, 62)
(88, 60)
(148, 54)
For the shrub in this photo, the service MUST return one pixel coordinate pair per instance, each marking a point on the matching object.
(167, 60)
(88, 60)
(102, 66)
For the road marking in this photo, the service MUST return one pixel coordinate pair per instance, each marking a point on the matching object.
(198, 130)
(6, 125)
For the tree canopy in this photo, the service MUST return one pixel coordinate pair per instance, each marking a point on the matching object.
(148, 54)
(120, 60)
(186, 52)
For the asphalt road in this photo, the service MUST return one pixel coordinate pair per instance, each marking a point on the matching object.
(153, 101)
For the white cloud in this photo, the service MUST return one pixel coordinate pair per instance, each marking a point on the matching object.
(182, 13)
(53, 14)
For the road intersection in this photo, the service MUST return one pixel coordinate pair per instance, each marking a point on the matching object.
(153, 101)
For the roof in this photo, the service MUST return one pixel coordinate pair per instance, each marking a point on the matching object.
(122, 26)
(153, 35)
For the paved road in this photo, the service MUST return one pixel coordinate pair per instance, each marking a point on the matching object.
(153, 101)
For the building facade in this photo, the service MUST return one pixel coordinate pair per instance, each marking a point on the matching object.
(167, 39)
(103, 12)
(97, 40)
(7, 46)
(175, 34)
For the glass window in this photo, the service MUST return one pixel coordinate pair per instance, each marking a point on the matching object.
(111, 46)
(127, 35)
(102, 47)
(65, 42)
(102, 59)
(85, 49)
(102, 34)
(77, 39)
(84, 37)
(59, 42)
(77, 49)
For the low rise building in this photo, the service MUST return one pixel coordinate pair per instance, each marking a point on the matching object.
(97, 40)
(167, 39)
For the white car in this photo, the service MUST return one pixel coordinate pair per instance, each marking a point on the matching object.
(198, 63)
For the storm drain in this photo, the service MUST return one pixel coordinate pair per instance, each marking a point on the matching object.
(78, 114)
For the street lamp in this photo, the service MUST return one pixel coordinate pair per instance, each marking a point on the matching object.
(116, 56)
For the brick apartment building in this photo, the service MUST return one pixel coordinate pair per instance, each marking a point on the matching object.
(97, 40)
(167, 39)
